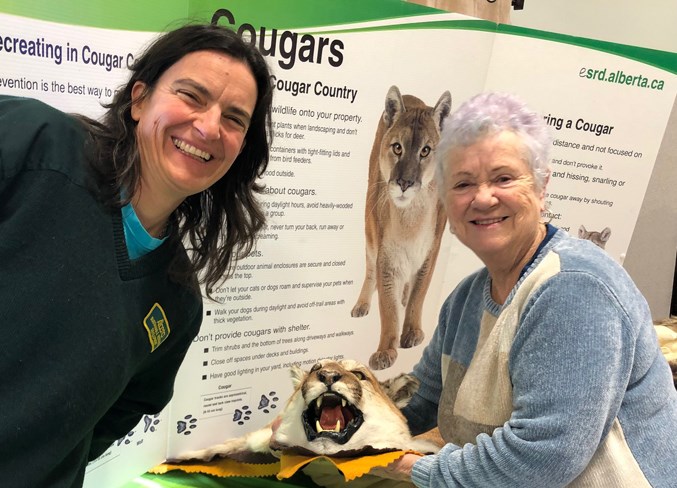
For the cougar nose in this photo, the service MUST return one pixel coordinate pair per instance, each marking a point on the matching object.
(404, 184)
(328, 377)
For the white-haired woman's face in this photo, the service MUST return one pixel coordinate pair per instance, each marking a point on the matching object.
(492, 202)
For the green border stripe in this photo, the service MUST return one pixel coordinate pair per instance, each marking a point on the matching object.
(301, 14)
(158, 15)
(478, 25)
(659, 59)
(131, 15)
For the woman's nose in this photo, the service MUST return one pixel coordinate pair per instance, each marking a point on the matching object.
(484, 196)
(208, 123)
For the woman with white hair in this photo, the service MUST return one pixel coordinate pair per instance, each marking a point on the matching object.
(544, 369)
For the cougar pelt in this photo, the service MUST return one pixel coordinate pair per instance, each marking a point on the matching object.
(598, 238)
(404, 220)
(666, 329)
(338, 408)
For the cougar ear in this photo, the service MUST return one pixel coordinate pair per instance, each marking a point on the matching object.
(581, 232)
(394, 106)
(605, 234)
(400, 389)
(297, 375)
(442, 109)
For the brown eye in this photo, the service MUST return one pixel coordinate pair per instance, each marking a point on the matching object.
(360, 375)
(425, 151)
(188, 95)
(397, 149)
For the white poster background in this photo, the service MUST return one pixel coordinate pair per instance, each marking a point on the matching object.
(547, 74)
(71, 82)
(290, 302)
(244, 388)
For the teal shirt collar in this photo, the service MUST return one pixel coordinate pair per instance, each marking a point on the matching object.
(139, 241)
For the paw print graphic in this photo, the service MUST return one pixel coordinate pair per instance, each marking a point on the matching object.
(186, 425)
(241, 416)
(126, 439)
(149, 422)
(267, 402)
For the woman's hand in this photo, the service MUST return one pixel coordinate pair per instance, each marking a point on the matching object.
(399, 470)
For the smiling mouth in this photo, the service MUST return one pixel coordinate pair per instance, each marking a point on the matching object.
(191, 150)
(488, 221)
(331, 416)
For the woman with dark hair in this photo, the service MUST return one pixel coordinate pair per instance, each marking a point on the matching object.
(220, 221)
(100, 299)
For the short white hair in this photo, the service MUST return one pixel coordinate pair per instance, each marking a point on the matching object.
(488, 114)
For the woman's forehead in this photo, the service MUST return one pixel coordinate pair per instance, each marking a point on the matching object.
(494, 153)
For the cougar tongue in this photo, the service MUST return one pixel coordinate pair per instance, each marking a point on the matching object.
(330, 415)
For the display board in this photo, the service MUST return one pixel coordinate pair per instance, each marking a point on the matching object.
(291, 301)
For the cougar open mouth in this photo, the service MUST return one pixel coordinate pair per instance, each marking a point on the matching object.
(330, 415)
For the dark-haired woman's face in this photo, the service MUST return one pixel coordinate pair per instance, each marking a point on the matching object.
(193, 123)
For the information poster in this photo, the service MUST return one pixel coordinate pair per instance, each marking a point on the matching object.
(291, 301)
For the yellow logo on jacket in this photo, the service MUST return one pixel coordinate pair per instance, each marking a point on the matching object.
(157, 326)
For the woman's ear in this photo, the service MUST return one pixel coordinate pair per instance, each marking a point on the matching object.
(546, 180)
(541, 191)
(138, 96)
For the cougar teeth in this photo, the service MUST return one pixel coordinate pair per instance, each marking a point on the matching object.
(347, 423)
(318, 401)
(319, 428)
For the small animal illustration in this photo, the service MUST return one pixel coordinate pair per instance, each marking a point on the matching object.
(404, 220)
(338, 408)
(598, 238)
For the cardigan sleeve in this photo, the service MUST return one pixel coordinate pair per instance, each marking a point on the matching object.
(569, 366)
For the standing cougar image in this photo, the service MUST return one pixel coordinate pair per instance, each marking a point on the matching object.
(404, 220)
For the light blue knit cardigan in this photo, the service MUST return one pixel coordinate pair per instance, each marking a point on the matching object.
(568, 387)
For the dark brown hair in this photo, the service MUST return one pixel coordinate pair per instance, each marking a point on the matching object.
(218, 225)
